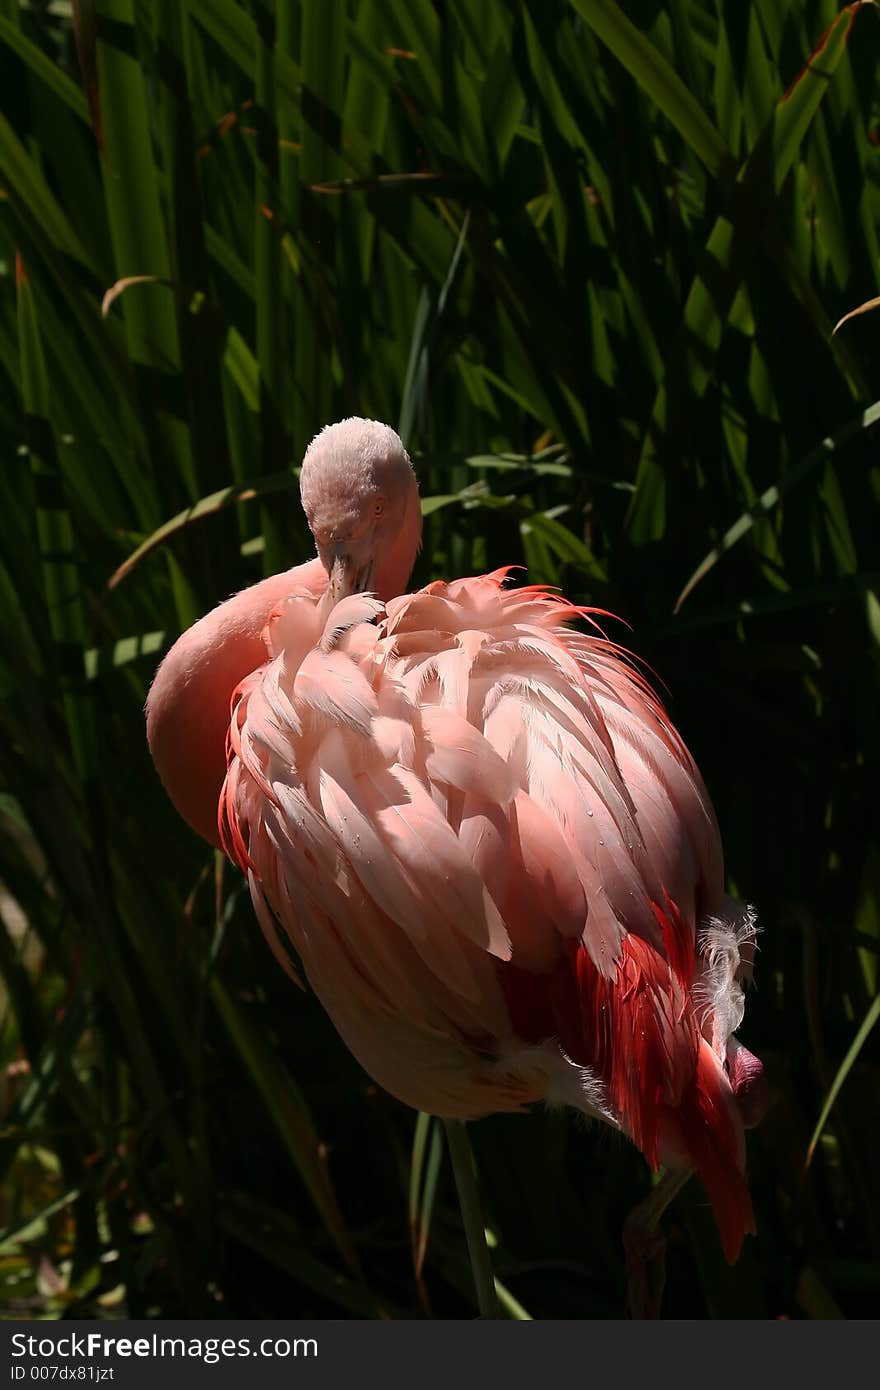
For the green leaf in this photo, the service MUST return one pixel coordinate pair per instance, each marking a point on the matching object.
(205, 507)
(425, 1163)
(290, 1114)
(44, 69)
(797, 107)
(773, 495)
(99, 660)
(657, 79)
(27, 185)
(843, 1071)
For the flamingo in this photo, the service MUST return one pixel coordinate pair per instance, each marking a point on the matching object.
(492, 853)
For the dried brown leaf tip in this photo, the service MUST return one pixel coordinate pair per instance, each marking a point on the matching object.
(121, 286)
(865, 308)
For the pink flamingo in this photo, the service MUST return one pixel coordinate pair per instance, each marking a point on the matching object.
(492, 852)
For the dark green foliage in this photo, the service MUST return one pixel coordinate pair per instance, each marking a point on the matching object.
(588, 256)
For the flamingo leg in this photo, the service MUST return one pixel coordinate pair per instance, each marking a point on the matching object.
(645, 1246)
(472, 1216)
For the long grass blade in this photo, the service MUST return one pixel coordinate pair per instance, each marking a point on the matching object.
(843, 1071)
(773, 495)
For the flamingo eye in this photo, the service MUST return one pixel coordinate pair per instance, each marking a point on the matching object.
(379, 509)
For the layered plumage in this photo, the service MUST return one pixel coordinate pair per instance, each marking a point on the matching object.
(493, 856)
(498, 867)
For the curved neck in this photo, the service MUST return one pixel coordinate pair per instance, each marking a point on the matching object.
(189, 701)
(395, 566)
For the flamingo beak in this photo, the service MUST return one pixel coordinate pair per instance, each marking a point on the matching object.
(348, 575)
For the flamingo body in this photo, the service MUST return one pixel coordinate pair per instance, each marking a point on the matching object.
(493, 855)
(461, 818)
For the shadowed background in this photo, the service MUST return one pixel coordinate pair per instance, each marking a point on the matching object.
(587, 257)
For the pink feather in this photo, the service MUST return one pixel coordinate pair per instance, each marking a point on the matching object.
(487, 844)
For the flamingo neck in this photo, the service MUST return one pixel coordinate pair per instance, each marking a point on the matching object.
(395, 565)
(189, 701)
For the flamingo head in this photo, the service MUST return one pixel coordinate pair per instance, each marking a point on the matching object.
(361, 499)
